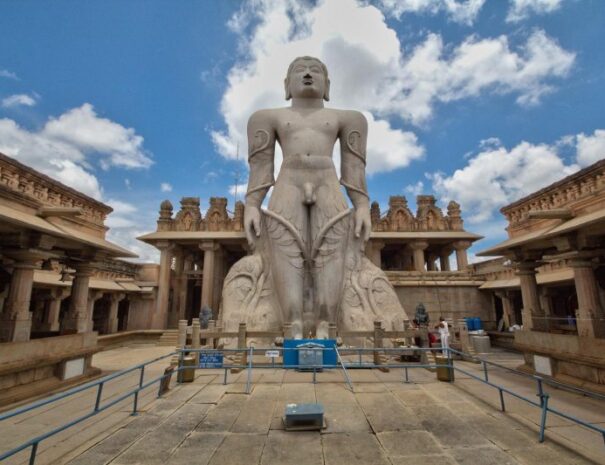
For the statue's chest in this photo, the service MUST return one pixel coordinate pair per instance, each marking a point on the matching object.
(294, 126)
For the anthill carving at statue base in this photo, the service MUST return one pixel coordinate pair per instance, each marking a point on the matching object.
(308, 267)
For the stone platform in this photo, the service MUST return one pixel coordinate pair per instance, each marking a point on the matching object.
(383, 422)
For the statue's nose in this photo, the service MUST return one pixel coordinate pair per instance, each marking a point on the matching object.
(307, 76)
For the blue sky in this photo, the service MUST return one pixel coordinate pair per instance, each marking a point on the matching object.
(132, 102)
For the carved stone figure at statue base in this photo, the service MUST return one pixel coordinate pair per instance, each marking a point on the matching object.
(308, 268)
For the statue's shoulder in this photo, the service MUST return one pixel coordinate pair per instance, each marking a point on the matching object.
(352, 118)
(267, 116)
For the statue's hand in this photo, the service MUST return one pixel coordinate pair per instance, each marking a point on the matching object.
(363, 224)
(251, 223)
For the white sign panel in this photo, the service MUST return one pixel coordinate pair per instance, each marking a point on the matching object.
(542, 365)
(272, 353)
(73, 368)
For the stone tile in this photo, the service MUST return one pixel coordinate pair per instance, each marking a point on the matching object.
(385, 413)
(414, 397)
(198, 448)
(154, 448)
(187, 417)
(210, 394)
(328, 393)
(255, 417)
(352, 449)
(504, 437)
(239, 449)
(548, 454)
(405, 443)
(450, 430)
(482, 456)
(423, 459)
(219, 419)
(289, 448)
(265, 392)
(297, 393)
(370, 387)
(345, 417)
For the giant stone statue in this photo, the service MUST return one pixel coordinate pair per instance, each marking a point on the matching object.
(307, 266)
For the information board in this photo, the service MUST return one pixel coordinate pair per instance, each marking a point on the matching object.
(211, 360)
(272, 353)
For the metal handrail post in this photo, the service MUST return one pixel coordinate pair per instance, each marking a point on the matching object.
(485, 371)
(359, 352)
(98, 400)
(225, 378)
(502, 400)
(32, 455)
(344, 370)
(250, 355)
(179, 375)
(136, 393)
(407, 379)
(544, 402)
(540, 390)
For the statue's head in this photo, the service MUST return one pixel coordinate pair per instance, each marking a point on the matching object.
(307, 78)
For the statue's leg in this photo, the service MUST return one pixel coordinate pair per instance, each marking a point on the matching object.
(285, 227)
(328, 264)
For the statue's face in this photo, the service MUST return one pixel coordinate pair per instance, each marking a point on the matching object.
(307, 79)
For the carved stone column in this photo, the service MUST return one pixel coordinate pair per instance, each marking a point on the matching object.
(533, 315)
(179, 267)
(590, 314)
(373, 251)
(160, 315)
(444, 258)
(76, 319)
(209, 249)
(16, 324)
(183, 282)
(57, 295)
(114, 303)
(418, 247)
(93, 296)
(507, 307)
(461, 255)
(430, 262)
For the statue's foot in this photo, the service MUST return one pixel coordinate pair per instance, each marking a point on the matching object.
(322, 331)
(297, 329)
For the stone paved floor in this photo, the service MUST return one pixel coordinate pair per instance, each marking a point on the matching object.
(383, 422)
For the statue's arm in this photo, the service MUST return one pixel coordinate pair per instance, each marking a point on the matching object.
(353, 140)
(261, 152)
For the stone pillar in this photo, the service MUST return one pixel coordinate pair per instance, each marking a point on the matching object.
(183, 282)
(418, 248)
(77, 318)
(16, 324)
(461, 256)
(195, 337)
(93, 296)
(444, 258)
(373, 252)
(507, 308)
(160, 316)
(179, 268)
(532, 312)
(114, 302)
(57, 295)
(430, 262)
(219, 276)
(182, 338)
(590, 314)
(209, 249)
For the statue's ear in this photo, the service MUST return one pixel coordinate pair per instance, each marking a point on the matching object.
(327, 91)
(287, 88)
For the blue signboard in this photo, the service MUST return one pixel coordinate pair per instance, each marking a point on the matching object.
(211, 360)
(291, 357)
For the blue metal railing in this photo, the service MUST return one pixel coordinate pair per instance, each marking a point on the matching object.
(341, 363)
(99, 384)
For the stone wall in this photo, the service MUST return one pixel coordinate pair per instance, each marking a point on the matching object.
(449, 301)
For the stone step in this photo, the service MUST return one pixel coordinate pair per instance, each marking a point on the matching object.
(169, 338)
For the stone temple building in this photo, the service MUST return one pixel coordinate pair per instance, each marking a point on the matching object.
(552, 277)
(61, 282)
(417, 251)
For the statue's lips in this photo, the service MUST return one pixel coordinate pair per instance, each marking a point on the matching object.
(308, 82)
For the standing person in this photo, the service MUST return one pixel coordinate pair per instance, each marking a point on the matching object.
(444, 335)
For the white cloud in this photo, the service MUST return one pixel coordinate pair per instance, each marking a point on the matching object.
(459, 11)
(370, 72)
(66, 147)
(498, 176)
(415, 189)
(238, 190)
(126, 223)
(19, 100)
(522, 9)
(4, 73)
(590, 149)
(165, 187)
